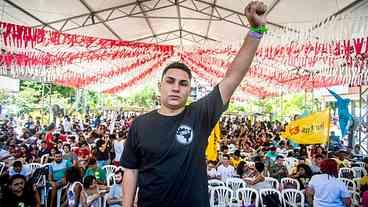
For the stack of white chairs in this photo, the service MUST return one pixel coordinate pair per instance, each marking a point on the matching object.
(222, 195)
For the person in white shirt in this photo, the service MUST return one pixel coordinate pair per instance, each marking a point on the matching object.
(326, 190)
(67, 125)
(119, 147)
(225, 170)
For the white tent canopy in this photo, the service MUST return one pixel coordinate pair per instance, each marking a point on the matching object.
(176, 22)
(188, 25)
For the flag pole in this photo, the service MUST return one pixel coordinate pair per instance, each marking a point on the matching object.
(328, 130)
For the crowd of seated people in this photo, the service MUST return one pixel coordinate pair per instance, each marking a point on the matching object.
(72, 155)
(66, 159)
(255, 151)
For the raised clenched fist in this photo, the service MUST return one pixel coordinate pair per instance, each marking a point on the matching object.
(256, 13)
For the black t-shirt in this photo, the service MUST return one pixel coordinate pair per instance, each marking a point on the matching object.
(169, 152)
(26, 200)
(102, 155)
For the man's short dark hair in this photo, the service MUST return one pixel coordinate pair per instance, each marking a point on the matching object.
(17, 163)
(119, 171)
(259, 166)
(17, 176)
(177, 65)
(279, 157)
(318, 156)
(227, 156)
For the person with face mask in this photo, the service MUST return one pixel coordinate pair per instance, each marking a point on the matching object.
(57, 171)
(114, 198)
(20, 194)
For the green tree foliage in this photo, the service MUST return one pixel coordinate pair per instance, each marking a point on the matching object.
(143, 98)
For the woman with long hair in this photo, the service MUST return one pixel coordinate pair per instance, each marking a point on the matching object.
(325, 190)
(91, 194)
(303, 174)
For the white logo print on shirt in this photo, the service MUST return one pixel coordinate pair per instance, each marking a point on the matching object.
(184, 134)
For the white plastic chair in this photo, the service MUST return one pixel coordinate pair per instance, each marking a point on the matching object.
(359, 172)
(292, 197)
(244, 197)
(235, 183)
(221, 196)
(44, 159)
(346, 172)
(349, 184)
(2, 167)
(272, 182)
(360, 164)
(110, 180)
(251, 164)
(269, 191)
(355, 199)
(215, 183)
(110, 169)
(33, 166)
(357, 183)
(291, 181)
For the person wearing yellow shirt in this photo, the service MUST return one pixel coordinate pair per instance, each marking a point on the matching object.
(235, 159)
(341, 159)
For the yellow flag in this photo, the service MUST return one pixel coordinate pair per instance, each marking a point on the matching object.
(214, 139)
(313, 129)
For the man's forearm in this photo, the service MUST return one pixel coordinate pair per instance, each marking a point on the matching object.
(130, 186)
(239, 67)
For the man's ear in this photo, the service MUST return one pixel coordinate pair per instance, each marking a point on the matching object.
(159, 85)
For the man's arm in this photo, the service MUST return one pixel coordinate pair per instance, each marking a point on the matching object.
(129, 186)
(241, 64)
